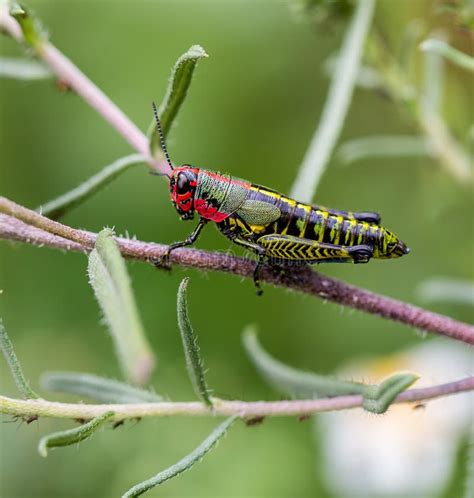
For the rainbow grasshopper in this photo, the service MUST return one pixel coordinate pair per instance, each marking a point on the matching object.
(278, 229)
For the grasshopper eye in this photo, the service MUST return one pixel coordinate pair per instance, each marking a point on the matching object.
(183, 183)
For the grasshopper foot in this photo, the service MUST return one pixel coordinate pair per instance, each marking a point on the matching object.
(162, 263)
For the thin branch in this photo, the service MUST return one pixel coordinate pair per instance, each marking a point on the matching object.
(336, 106)
(75, 79)
(442, 144)
(302, 279)
(43, 408)
(440, 47)
(56, 208)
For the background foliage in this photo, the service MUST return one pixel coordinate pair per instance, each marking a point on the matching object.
(252, 109)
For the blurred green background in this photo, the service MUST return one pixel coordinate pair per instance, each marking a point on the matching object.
(252, 109)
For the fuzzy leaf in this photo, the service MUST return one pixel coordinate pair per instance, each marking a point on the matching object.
(191, 349)
(21, 68)
(109, 279)
(185, 464)
(71, 436)
(179, 82)
(297, 383)
(30, 25)
(442, 48)
(96, 388)
(56, 208)
(293, 382)
(7, 348)
(383, 146)
(379, 397)
(447, 290)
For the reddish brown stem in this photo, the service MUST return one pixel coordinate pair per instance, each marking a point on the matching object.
(24, 225)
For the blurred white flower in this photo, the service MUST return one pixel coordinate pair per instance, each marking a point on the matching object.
(410, 450)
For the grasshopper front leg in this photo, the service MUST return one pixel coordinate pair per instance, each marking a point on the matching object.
(192, 237)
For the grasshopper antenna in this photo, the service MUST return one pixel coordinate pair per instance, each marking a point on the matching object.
(161, 135)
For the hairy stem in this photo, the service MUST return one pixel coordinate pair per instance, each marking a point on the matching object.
(42, 408)
(45, 232)
(75, 79)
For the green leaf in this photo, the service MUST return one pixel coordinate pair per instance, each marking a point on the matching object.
(56, 208)
(447, 290)
(30, 25)
(109, 279)
(14, 365)
(185, 464)
(379, 397)
(21, 68)
(368, 77)
(442, 48)
(71, 436)
(383, 146)
(297, 383)
(191, 349)
(96, 388)
(178, 85)
(293, 382)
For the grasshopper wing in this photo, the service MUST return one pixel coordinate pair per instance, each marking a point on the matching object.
(258, 212)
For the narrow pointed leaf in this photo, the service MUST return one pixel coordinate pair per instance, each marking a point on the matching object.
(21, 68)
(30, 25)
(293, 382)
(368, 77)
(56, 208)
(110, 281)
(191, 349)
(442, 48)
(379, 397)
(180, 80)
(185, 464)
(71, 436)
(383, 146)
(448, 290)
(14, 365)
(376, 398)
(96, 388)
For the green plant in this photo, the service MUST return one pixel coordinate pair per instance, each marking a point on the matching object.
(119, 401)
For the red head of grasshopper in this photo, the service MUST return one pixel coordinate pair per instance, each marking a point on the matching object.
(183, 180)
(183, 183)
(195, 189)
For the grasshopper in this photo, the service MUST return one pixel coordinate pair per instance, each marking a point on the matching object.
(278, 229)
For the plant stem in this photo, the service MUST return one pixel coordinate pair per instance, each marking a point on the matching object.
(43, 408)
(336, 106)
(56, 208)
(75, 79)
(45, 232)
(443, 146)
